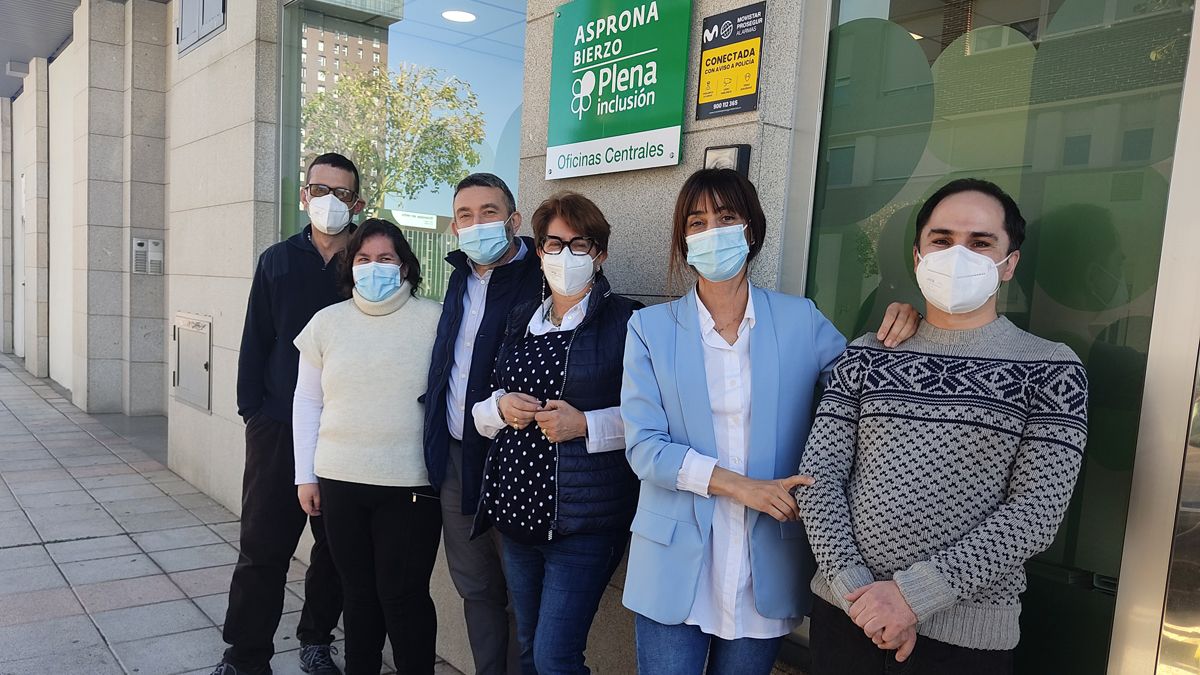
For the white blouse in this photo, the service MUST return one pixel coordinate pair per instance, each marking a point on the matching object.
(724, 604)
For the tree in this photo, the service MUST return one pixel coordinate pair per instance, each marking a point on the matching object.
(405, 131)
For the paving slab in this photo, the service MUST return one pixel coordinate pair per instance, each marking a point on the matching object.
(18, 535)
(96, 526)
(162, 520)
(230, 532)
(30, 579)
(109, 569)
(127, 593)
(21, 557)
(145, 621)
(172, 653)
(96, 660)
(184, 537)
(129, 507)
(118, 493)
(119, 480)
(91, 549)
(205, 581)
(30, 606)
(181, 559)
(43, 486)
(56, 499)
(48, 637)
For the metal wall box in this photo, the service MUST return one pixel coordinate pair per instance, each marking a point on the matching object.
(148, 256)
(192, 377)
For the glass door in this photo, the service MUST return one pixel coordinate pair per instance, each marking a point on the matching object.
(1072, 106)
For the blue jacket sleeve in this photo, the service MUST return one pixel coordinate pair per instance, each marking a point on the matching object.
(648, 446)
(828, 342)
(258, 336)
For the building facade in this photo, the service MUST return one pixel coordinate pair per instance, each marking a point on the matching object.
(153, 149)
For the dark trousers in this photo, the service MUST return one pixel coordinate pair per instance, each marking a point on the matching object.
(839, 647)
(272, 522)
(384, 541)
(556, 589)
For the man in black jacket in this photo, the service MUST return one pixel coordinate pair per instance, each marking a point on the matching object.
(494, 270)
(295, 279)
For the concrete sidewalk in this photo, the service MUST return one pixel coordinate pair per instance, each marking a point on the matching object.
(109, 563)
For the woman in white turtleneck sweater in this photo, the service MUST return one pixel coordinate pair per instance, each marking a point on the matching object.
(359, 458)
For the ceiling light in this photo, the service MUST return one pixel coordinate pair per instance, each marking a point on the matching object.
(458, 16)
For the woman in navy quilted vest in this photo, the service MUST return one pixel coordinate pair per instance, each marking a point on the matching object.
(557, 485)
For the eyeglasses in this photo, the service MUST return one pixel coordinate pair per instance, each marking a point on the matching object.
(577, 245)
(342, 194)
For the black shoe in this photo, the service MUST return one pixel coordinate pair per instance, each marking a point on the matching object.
(227, 669)
(318, 660)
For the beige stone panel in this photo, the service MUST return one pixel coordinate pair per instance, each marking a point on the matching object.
(208, 451)
(147, 209)
(106, 66)
(105, 248)
(105, 112)
(105, 21)
(104, 200)
(148, 158)
(241, 28)
(266, 162)
(266, 82)
(224, 383)
(105, 293)
(147, 340)
(151, 22)
(105, 384)
(222, 298)
(539, 40)
(769, 170)
(219, 98)
(104, 159)
(104, 336)
(225, 235)
(147, 391)
(212, 171)
(147, 296)
(149, 67)
(148, 113)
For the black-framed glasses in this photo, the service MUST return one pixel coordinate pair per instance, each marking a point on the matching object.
(577, 245)
(345, 195)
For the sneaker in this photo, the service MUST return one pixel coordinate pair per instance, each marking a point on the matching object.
(227, 669)
(318, 660)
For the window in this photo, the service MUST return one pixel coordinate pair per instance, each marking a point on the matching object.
(360, 55)
(303, 86)
(375, 57)
(321, 61)
(304, 58)
(197, 22)
(1077, 150)
(376, 44)
(337, 64)
(320, 89)
(1136, 145)
(320, 45)
(320, 76)
(360, 39)
(304, 73)
(336, 77)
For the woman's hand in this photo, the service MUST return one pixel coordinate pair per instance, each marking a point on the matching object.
(518, 409)
(310, 498)
(899, 323)
(772, 497)
(560, 422)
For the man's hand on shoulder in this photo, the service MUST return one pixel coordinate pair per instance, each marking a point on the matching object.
(900, 322)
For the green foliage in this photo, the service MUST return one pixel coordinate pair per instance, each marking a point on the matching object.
(405, 131)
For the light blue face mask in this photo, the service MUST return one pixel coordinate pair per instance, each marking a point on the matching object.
(485, 243)
(718, 254)
(376, 281)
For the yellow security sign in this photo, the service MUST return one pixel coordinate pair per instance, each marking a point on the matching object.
(730, 71)
(730, 60)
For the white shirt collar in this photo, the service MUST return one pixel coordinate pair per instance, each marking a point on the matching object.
(709, 327)
(539, 323)
(522, 249)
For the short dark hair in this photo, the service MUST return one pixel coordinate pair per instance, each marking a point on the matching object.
(1014, 222)
(732, 191)
(375, 227)
(489, 180)
(336, 161)
(578, 212)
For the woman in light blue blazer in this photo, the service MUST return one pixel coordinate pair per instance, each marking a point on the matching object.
(717, 399)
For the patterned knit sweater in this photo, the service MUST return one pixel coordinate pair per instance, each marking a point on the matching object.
(944, 464)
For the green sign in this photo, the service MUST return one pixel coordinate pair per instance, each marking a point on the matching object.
(617, 84)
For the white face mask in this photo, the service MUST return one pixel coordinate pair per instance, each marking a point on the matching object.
(328, 214)
(958, 280)
(568, 274)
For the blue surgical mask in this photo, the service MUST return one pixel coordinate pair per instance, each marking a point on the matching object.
(376, 281)
(484, 243)
(720, 253)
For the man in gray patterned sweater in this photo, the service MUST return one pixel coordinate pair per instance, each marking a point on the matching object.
(941, 467)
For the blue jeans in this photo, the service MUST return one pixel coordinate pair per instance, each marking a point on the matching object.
(556, 589)
(682, 650)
